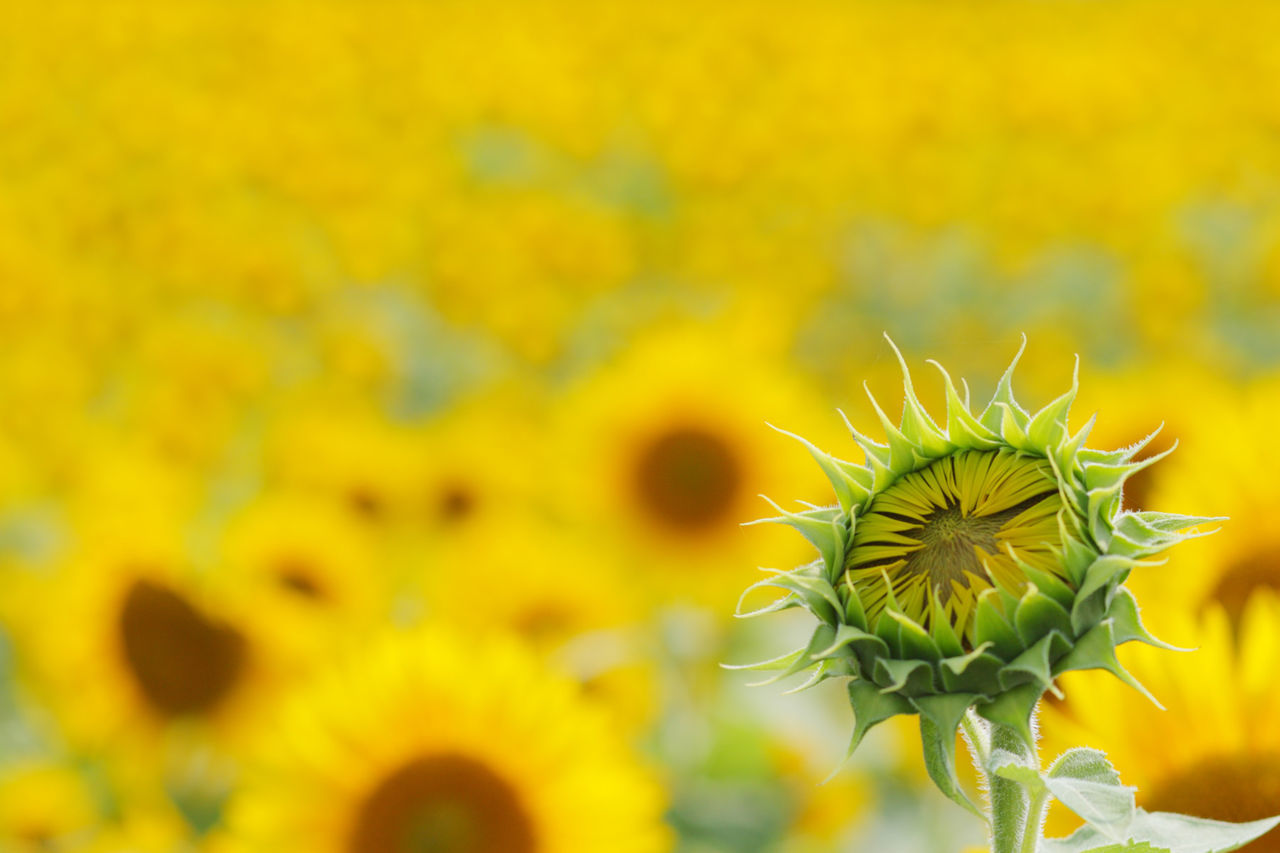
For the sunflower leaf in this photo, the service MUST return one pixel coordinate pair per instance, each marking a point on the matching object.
(940, 716)
(1163, 832)
(1105, 806)
(1081, 762)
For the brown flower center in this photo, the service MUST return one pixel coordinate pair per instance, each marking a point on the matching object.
(1260, 570)
(297, 576)
(1235, 788)
(456, 502)
(687, 478)
(183, 662)
(442, 804)
(366, 502)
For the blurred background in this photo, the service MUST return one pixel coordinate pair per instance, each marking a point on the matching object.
(324, 322)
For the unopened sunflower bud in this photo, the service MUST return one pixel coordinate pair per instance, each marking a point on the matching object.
(967, 564)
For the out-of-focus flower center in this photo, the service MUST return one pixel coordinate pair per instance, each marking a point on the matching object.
(183, 662)
(456, 502)
(298, 576)
(687, 478)
(1257, 570)
(948, 530)
(1234, 787)
(442, 804)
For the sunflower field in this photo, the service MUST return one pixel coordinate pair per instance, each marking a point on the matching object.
(384, 388)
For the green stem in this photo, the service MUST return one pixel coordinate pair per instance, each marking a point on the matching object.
(1035, 816)
(1009, 800)
(1015, 813)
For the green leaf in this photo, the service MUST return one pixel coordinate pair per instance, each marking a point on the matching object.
(1088, 840)
(990, 626)
(1048, 428)
(943, 634)
(815, 525)
(916, 423)
(1163, 832)
(1105, 806)
(1186, 834)
(847, 636)
(976, 672)
(1013, 708)
(1096, 650)
(854, 614)
(1035, 664)
(872, 707)
(1006, 765)
(962, 427)
(1081, 762)
(904, 676)
(848, 480)
(939, 718)
(916, 642)
(1038, 614)
(1128, 625)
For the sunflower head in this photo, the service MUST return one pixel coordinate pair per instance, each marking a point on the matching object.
(967, 564)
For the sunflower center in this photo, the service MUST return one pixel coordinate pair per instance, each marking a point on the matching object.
(1260, 570)
(687, 478)
(1235, 788)
(298, 577)
(442, 804)
(952, 529)
(183, 662)
(456, 502)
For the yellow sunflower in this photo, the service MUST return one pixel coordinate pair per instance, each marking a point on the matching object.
(1215, 752)
(1225, 480)
(665, 450)
(475, 462)
(360, 461)
(423, 742)
(138, 655)
(417, 484)
(305, 566)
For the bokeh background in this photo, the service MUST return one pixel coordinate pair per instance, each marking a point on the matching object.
(454, 328)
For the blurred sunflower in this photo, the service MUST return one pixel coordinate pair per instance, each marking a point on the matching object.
(307, 567)
(1215, 752)
(475, 462)
(665, 450)
(450, 746)
(355, 458)
(1225, 481)
(135, 652)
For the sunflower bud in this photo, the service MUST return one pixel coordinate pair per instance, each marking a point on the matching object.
(968, 565)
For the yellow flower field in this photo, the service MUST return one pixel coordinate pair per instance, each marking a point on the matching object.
(384, 387)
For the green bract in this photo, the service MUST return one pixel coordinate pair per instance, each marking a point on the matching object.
(967, 564)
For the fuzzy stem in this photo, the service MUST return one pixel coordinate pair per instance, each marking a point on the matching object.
(1035, 817)
(1009, 801)
(1015, 815)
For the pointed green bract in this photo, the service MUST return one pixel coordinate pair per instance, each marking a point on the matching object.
(968, 562)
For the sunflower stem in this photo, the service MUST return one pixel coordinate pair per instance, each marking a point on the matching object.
(1015, 812)
(1035, 818)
